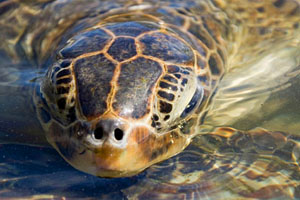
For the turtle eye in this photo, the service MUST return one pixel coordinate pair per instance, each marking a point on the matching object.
(196, 99)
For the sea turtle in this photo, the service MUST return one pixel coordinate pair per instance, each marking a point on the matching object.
(117, 86)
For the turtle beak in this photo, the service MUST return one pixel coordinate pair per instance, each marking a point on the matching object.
(120, 148)
(126, 158)
(114, 148)
(128, 149)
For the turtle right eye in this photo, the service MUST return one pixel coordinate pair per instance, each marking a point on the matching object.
(196, 100)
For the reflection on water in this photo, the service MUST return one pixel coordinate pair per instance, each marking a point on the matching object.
(262, 92)
(41, 173)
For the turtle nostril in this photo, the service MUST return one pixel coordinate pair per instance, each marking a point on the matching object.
(98, 133)
(119, 134)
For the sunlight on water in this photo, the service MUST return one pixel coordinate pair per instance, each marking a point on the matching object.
(256, 95)
(262, 91)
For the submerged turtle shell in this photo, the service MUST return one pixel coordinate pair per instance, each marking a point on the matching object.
(126, 56)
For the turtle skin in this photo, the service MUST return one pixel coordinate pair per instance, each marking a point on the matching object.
(137, 75)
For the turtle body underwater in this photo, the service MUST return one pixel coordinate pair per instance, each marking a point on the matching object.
(117, 86)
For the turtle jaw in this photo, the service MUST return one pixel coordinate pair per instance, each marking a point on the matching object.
(143, 148)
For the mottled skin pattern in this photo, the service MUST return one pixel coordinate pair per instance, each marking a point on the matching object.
(130, 83)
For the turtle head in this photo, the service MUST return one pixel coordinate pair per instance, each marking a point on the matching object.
(118, 98)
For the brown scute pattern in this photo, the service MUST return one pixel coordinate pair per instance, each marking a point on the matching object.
(170, 79)
(187, 37)
(155, 117)
(61, 103)
(62, 90)
(65, 63)
(131, 28)
(170, 17)
(221, 54)
(93, 40)
(165, 85)
(212, 27)
(71, 114)
(173, 69)
(201, 62)
(166, 95)
(165, 107)
(178, 76)
(204, 79)
(122, 49)
(184, 81)
(167, 48)
(153, 123)
(135, 84)
(93, 75)
(63, 81)
(53, 72)
(63, 73)
(214, 65)
(166, 117)
(202, 35)
(57, 89)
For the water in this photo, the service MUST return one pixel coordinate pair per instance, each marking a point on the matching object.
(249, 97)
(40, 173)
(262, 92)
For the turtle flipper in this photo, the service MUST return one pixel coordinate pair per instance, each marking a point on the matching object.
(18, 121)
(227, 164)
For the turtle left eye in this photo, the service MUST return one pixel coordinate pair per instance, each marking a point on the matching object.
(196, 99)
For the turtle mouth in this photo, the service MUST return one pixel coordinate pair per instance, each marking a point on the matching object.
(87, 152)
(141, 147)
(112, 147)
(127, 158)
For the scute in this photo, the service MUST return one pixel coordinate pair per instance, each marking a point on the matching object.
(214, 65)
(130, 28)
(92, 75)
(202, 35)
(87, 42)
(122, 49)
(168, 17)
(167, 48)
(136, 81)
